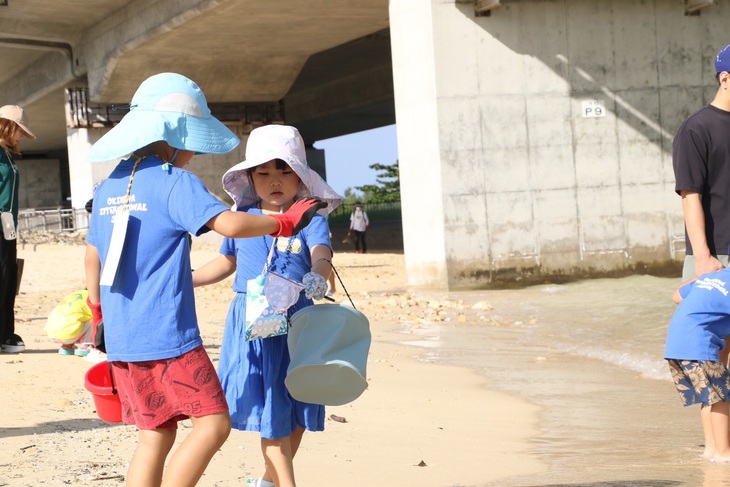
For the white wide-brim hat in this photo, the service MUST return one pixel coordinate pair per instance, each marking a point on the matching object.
(169, 107)
(16, 114)
(277, 142)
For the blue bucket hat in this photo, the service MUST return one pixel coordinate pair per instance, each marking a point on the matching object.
(169, 107)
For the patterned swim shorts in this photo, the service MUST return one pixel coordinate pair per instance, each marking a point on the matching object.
(701, 381)
(158, 393)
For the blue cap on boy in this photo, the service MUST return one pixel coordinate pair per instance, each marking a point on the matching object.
(722, 61)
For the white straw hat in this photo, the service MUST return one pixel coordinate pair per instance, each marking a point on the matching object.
(169, 107)
(17, 115)
(277, 142)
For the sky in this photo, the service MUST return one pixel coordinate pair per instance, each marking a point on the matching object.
(347, 157)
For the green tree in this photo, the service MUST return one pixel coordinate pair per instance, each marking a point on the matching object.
(387, 187)
(351, 196)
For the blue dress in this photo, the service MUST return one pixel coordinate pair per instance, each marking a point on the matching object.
(252, 372)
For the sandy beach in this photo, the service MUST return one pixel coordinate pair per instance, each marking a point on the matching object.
(418, 424)
(554, 385)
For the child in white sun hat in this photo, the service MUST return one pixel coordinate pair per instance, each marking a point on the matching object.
(252, 370)
(138, 271)
(277, 142)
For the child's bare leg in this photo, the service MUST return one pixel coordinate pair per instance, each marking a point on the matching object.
(719, 420)
(278, 456)
(707, 430)
(189, 461)
(295, 439)
(148, 461)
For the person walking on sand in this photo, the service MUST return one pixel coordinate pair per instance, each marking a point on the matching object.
(146, 208)
(358, 226)
(252, 370)
(695, 337)
(13, 127)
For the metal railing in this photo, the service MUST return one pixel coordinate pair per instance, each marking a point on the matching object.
(377, 212)
(71, 220)
(52, 220)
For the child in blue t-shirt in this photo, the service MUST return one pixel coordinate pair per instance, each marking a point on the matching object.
(695, 338)
(273, 176)
(138, 271)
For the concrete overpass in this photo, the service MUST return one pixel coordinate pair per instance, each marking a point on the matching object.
(534, 135)
(239, 51)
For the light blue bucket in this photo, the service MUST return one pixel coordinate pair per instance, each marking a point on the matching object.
(328, 345)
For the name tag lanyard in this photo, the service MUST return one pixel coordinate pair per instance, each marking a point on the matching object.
(119, 234)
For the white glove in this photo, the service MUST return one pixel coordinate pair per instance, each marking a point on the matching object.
(315, 286)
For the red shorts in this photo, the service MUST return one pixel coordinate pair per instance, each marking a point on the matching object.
(158, 393)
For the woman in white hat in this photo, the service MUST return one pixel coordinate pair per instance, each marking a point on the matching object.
(138, 271)
(13, 127)
(253, 365)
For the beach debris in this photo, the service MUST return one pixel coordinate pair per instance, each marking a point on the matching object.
(62, 403)
(35, 238)
(339, 419)
(421, 464)
(109, 477)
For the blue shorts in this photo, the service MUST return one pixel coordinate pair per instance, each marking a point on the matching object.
(703, 382)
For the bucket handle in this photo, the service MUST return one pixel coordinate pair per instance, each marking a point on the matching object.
(341, 283)
(111, 378)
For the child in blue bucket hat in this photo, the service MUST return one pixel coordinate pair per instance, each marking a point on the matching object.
(138, 272)
(252, 370)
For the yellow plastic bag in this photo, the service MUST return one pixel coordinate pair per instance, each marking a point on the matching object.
(71, 319)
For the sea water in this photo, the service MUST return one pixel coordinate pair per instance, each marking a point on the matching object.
(590, 354)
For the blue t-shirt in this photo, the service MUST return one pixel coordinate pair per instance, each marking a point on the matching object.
(702, 320)
(292, 257)
(149, 313)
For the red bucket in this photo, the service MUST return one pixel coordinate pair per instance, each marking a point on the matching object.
(98, 381)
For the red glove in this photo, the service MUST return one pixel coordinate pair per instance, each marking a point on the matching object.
(96, 316)
(297, 216)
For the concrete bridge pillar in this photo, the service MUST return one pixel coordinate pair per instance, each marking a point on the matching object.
(535, 144)
(426, 95)
(83, 175)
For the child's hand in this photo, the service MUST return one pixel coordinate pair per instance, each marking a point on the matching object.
(297, 216)
(315, 286)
